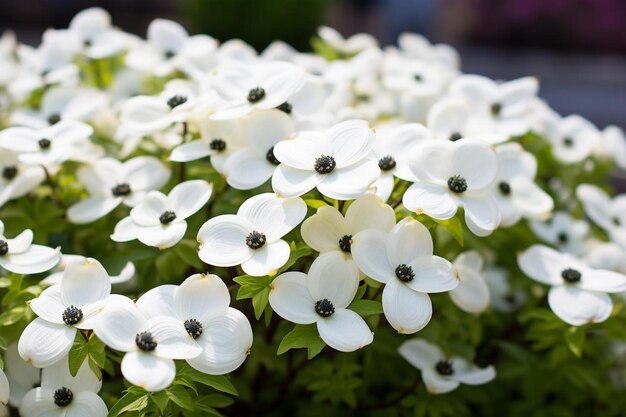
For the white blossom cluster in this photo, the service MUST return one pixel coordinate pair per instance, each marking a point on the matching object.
(351, 153)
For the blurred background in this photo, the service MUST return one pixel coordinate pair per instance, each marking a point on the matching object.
(576, 47)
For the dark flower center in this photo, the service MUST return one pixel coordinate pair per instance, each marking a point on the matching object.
(217, 144)
(271, 158)
(325, 164)
(454, 136)
(145, 341)
(285, 107)
(63, 397)
(169, 54)
(72, 315)
(324, 308)
(256, 240)
(571, 275)
(457, 184)
(562, 237)
(121, 190)
(505, 188)
(418, 78)
(256, 94)
(194, 328)
(167, 217)
(617, 221)
(4, 247)
(54, 118)
(345, 243)
(176, 101)
(386, 163)
(9, 172)
(496, 109)
(44, 143)
(87, 43)
(405, 273)
(444, 367)
(569, 142)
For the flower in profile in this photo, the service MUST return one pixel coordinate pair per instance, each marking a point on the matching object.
(56, 274)
(20, 256)
(579, 293)
(200, 305)
(17, 179)
(403, 260)
(609, 214)
(562, 231)
(159, 220)
(472, 293)
(62, 394)
(348, 46)
(439, 373)
(612, 145)
(62, 309)
(456, 174)
(150, 344)
(111, 182)
(252, 237)
(334, 161)
(322, 297)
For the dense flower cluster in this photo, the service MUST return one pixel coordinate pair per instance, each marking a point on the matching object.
(330, 188)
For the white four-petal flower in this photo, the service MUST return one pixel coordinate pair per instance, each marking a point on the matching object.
(20, 256)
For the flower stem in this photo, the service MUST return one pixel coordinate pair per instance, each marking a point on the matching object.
(182, 173)
(56, 197)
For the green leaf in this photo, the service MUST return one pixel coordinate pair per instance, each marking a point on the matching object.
(259, 302)
(78, 353)
(161, 400)
(132, 401)
(298, 251)
(187, 250)
(257, 288)
(366, 308)
(180, 396)
(219, 382)
(575, 338)
(302, 336)
(315, 203)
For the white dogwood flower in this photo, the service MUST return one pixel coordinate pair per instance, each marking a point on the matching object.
(322, 297)
(562, 231)
(573, 138)
(252, 237)
(439, 373)
(503, 297)
(472, 293)
(62, 394)
(349, 46)
(579, 293)
(454, 174)
(20, 256)
(17, 179)
(201, 306)
(159, 220)
(56, 274)
(94, 31)
(150, 344)
(403, 260)
(22, 377)
(111, 182)
(334, 161)
(609, 214)
(612, 145)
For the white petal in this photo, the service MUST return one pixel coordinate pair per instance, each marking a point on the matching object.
(334, 278)
(470, 374)
(39, 402)
(126, 230)
(531, 199)
(474, 88)
(407, 241)
(126, 274)
(406, 310)
(148, 211)
(191, 151)
(432, 274)
(91, 209)
(345, 331)
(245, 170)
(272, 215)
(369, 251)
(119, 323)
(290, 298)
(162, 236)
(431, 199)
(323, 230)
(146, 115)
(85, 283)
(543, 264)
(435, 384)
(4, 388)
(603, 281)
(421, 354)
(470, 259)
(159, 301)
(201, 295)
(58, 375)
(268, 259)
(223, 241)
(20, 242)
(369, 212)
(42, 343)
(34, 260)
(597, 204)
(188, 197)
(481, 214)
(300, 153)
(148, 371)
(577, 307)
(472, 293)
(350, 182)
(292, 182)
(87, 403)
(172, 339)
(351, 141)
(49, 305)
(226, 341)
(265, 128)
(473, 160)
(145, 173)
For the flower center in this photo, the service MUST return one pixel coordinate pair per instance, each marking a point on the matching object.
(44, 143)
(345, 243)
(86, 43)
(454, 136)
(145, 341)
(571, 275)
(176, 101)
(418, 78)
(4, 247)
(457, 184)
(505, 188)
(325, 164)
(285, 107)
(256, 94)
(217, 144)
(271, 158)
(444, 367)
(167, 217)
(562, 237)
(405, 273)
(63, 397)
(169, 54)
(256, 240)
(569, 142)
(9, 172)
(324, 308)
(386, 163)
(121, 190)
(72, 315)
(54, 118)
(617, 221)
(496, 109)
(194, 328)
